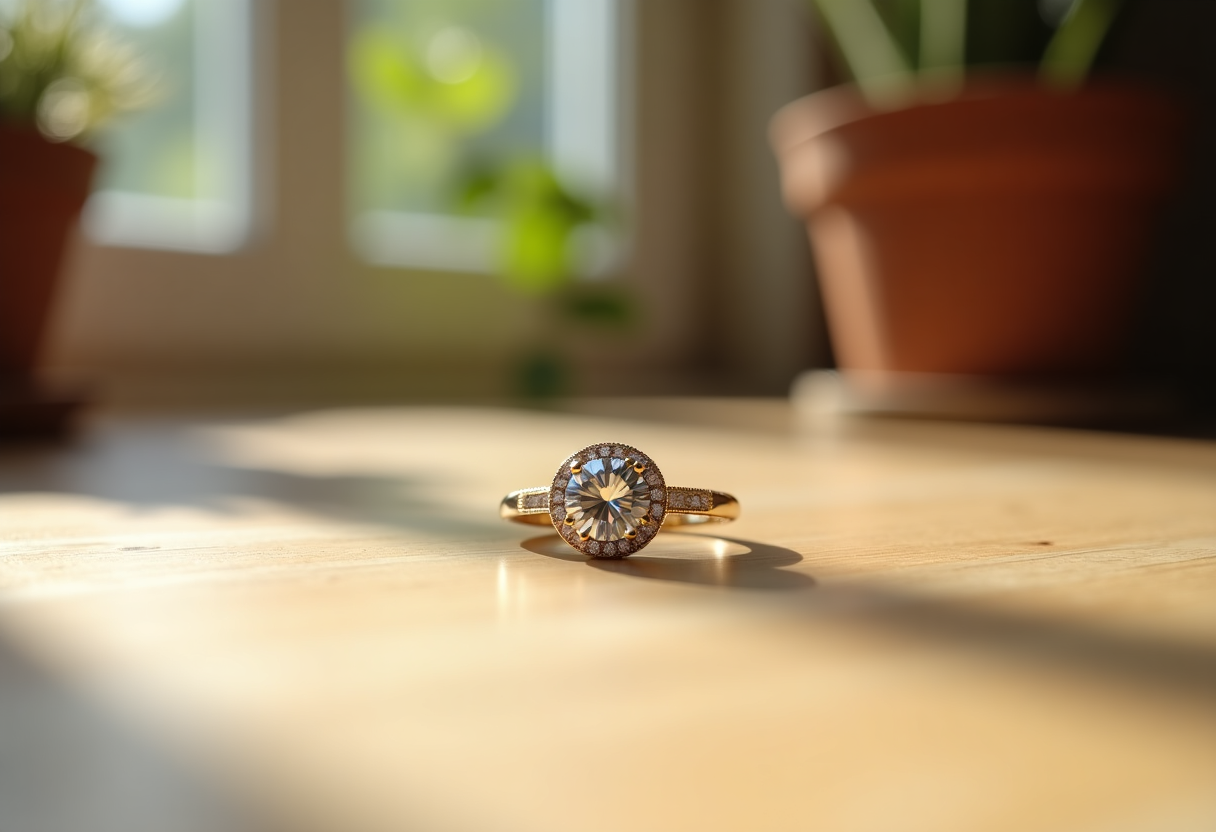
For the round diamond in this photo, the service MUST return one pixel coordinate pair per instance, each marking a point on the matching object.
(606, 498)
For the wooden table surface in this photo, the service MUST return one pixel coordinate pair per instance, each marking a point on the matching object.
(315, 621)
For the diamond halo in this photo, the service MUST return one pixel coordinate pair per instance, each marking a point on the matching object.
(603, 500)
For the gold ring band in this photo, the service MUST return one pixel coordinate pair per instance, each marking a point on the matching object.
(685, 506)
(610, 500)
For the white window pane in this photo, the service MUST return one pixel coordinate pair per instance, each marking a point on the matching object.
(439, 85)
(176, 175)
(155, 151)
(582, 95)
(443, 87)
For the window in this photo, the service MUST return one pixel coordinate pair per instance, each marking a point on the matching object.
(437, 88)
(311, 298)
(441, 88)
(177, 175)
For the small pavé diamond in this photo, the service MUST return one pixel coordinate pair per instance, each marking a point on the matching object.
(695, 501)
(677, 500)
(624, 547)
(593, 547)
(609, 549)
(656, 493)
(617, 452)
(657, 511)
(652, 478)
(605, 451)
(559, 512)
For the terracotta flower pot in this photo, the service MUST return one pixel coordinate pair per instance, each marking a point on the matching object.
(43, 187)
(1000, 233)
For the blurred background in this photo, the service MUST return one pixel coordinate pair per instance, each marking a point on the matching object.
(384, 199)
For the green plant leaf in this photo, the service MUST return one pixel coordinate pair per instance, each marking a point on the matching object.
(1072, 49)
(541, 375)
(535, 257)
(384, 72)
(943, 37)
(603, 306)
(390, 74)
(881, 71)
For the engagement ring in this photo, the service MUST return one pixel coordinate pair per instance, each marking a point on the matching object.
(609, 500)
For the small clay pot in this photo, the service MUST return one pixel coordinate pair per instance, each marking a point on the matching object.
(998, 233)
(43, 186)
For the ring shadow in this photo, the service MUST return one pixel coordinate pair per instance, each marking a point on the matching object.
(757, 568)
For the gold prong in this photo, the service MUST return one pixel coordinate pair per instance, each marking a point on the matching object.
(639, 467)
(576, 468)
(644, 521)
(569, 521)
(584, 535)
(631, 534)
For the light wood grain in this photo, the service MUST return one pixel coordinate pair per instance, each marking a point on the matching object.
(914, 626)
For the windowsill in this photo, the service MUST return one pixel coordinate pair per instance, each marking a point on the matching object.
(115, 218)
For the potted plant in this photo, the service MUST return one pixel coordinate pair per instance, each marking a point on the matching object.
(62, 75)
(987, 225)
